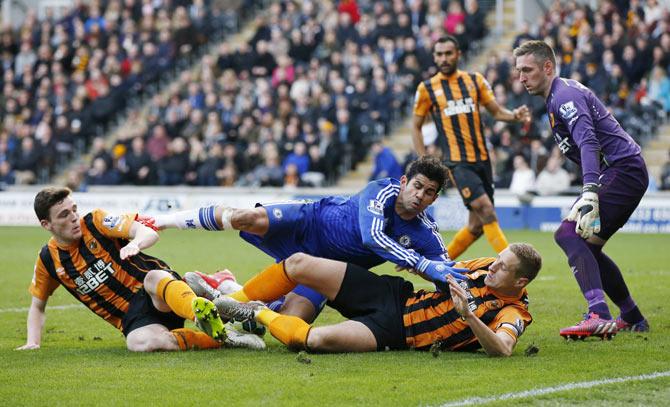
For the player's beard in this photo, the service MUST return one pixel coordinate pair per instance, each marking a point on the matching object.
(447, 69)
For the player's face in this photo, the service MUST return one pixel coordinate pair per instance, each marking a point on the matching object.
(533, 75)
(63, 221)
(446, 57)
(502, 272)
(417, 193)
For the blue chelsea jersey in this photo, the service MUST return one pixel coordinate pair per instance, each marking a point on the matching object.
(365, 229)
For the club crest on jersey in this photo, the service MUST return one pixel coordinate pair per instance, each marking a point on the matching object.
(405, 241)
(568, 110)
(111, 221)
(376, 207)
(277, 213)
(92, 245)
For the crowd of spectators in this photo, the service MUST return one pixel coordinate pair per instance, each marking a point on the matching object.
(65, 77)
(298, 104)
(305, 98)
(621, 50)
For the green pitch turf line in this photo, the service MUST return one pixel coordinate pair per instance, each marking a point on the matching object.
(49, 307)
(555, 389)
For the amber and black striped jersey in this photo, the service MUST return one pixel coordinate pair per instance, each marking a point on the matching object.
(92, 270)
(430, 317)
(454, 102)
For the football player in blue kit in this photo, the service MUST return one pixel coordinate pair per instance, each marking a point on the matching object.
(386, 221)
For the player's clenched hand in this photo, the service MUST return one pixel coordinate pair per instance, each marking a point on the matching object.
(586, 212)
(129, 250)
(437, 271)
(147, 221)
(29, 346)
(522, 114)
(459, 297)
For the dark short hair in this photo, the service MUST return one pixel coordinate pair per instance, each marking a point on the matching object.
(47, 198)
(530, 261)
(540, 50)
(446, 38)
(431, 168)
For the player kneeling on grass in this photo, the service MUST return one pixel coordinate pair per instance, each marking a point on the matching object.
(488, 309)
(98, 259)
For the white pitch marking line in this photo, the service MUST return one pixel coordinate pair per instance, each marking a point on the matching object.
(56, 307)
(555, 389)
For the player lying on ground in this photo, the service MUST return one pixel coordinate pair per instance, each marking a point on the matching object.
(489, 309)
(386, 221)
(98, 259)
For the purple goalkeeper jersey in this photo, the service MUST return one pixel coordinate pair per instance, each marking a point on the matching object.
(585, 131)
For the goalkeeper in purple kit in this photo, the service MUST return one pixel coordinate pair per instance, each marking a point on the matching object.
(615, 179)
(386, 221)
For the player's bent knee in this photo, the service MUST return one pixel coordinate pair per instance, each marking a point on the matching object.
(317, 341)
(138, 341)
(153, 277)
(296, 264)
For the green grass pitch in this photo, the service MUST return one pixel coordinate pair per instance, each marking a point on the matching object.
(83, 360)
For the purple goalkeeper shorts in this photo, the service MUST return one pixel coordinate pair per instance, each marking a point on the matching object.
(621, 188)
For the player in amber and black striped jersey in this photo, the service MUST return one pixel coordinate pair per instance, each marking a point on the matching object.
(489, 309)
(98, 259)
(453, 99)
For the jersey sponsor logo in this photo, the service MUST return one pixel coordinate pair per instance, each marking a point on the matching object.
(111, 221)
(460, 106)
(563, 143)
(93, 277)
(405, 241)
(277, 213)
(376, 207)
(567, 110)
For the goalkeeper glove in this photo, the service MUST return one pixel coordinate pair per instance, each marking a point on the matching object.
(437, 271)
(586, 212)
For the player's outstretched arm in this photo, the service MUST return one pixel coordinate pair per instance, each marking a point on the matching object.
(142, 237)
(521, 114)
(35, 323)
(495, 344)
